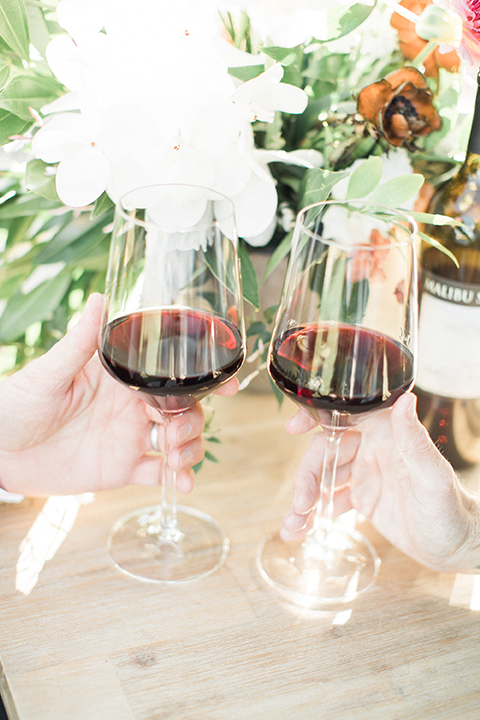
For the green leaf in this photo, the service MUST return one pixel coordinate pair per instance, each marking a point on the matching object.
(38, 30)
(255, 328)
(319, 184)
(340, 22)
(26, 91)
(394, 193)
(4, 73)
(434, 243)
(76, 240)
(433, 219)
(210, 456)
(285, 56)
(38, 182)
(102, 204)
(280, 252)
(23, 205)
(246, 73)
(249, 276)
(11, 125)
(14, 27)
(365, 178)
(23, 310)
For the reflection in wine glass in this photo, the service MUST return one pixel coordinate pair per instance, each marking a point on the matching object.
(343, 348)
(173, 332)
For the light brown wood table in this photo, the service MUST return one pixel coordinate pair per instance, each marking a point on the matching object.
(82, 641)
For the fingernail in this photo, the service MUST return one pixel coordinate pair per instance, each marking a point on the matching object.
(411, 411)
(184, 433)
(186, 458)
(300, 501)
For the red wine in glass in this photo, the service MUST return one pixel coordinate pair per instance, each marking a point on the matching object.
(343, 348)
(326, 367)
(173, 356)
(172, 333)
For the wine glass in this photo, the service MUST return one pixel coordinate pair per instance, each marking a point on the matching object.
(343, 348)
(173, 332)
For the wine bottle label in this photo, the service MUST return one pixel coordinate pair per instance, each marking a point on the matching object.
(449, 338)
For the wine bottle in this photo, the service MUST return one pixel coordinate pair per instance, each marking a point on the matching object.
(448, 379)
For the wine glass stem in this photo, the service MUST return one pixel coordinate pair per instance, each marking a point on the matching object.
(168, 530)
(324, 513)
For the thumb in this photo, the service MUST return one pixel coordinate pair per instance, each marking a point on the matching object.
(57, 369)
(416, 448)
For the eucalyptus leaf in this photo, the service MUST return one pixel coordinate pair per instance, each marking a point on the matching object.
(434, 219)
(340, 22)
(249, 276)
(438, 245)
(246, 73)
(285, 56)
(365, 178)
(319, 184)
(23, 310)
(396, 192)
(14, 27)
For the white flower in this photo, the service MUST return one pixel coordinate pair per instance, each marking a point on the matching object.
(265, 94)
(152, 102)
(288, 23)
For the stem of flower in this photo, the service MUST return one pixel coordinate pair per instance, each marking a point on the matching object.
(403, 11)
(422, 56)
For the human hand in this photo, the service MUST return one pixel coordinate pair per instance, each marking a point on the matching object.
(66, 426)
(391, 472)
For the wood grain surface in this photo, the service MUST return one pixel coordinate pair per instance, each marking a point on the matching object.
(81, 641)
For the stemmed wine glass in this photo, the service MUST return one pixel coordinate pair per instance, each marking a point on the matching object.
(343, 348)
(173, 332)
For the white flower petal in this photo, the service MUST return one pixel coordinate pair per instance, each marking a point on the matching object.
(65, 103)
(174, 214)
(264, 237)
(62, 57)
(60, 136)
(232, 172)
(82, 17)
(256, 204)
(82, 177)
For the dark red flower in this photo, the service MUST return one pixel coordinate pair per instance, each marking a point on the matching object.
(400, 106)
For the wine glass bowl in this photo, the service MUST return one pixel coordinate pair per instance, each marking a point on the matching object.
(343, 348)
(172, 332)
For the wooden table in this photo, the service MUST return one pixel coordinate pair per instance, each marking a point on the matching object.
(85, 642)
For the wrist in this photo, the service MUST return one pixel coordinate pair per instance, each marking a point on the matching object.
(467, 556)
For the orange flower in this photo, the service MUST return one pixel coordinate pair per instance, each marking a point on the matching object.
(412, 45)
(400, 106)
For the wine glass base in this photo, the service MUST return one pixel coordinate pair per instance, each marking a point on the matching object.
(197, 550)
(313, 575)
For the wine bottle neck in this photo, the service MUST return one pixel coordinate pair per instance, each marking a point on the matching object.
(474, 141)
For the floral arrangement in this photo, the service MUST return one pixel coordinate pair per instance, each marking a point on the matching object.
(275, 104)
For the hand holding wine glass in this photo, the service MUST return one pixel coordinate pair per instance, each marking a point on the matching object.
(343, 348)
(172, 333)
(67, 427)
(393, 474)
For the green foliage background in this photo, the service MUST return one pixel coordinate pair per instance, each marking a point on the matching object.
(52, 257)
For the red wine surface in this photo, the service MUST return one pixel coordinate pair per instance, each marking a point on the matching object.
(334, 367)
(174, 356)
